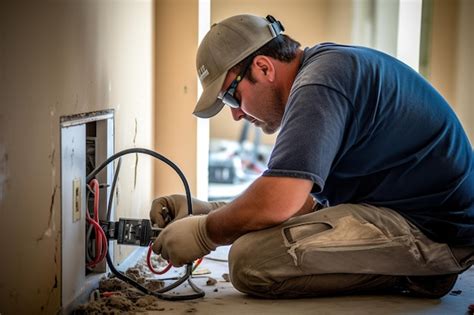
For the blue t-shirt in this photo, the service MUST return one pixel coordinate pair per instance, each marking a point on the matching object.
(366, 128)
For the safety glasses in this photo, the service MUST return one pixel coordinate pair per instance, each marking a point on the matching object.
(228, 96)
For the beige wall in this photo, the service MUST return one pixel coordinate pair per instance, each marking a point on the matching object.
(61, 58)
(443, 47)
(464, 78)
(450, 68)
(176, 92)
(308, 21)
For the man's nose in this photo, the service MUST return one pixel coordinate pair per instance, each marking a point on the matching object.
(237, 113)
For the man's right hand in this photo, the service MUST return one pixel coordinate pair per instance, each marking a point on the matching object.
(173, 207)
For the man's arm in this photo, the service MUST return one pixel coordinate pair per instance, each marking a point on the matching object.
(267, 202)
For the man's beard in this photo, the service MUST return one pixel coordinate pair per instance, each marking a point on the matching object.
(274, 122)
(269, 129)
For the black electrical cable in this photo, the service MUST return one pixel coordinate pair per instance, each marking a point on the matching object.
(112, 190)
(155, 155)
(189, 267)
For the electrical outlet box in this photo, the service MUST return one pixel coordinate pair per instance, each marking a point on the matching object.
(86, 140)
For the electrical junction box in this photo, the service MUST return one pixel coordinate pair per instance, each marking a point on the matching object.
(86, 140)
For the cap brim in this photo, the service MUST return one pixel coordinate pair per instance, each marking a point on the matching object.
(208, 104)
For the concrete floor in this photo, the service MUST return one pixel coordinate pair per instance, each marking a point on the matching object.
(229, 301)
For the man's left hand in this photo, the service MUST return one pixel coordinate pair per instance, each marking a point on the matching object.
(184, 241)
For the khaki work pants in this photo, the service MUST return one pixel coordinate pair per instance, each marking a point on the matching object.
(349, 248)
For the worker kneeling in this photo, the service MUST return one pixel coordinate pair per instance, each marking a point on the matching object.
(370, 185)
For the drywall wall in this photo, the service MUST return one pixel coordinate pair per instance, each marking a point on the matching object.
(450, 66)
(61, 58)
(464, 87)
(442, 53)
(176, 31)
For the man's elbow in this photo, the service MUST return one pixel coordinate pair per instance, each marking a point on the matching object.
(271, 216)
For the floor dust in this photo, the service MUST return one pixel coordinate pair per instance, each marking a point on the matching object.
(226, 277)
(211, 281)
(114, 296)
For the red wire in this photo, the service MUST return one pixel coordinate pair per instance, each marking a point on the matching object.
(197, 263)
(150, 265)
(100, 237)
(101, 240)
(160, 272)
(99, 255)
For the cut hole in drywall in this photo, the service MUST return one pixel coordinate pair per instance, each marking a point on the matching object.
(86, 140)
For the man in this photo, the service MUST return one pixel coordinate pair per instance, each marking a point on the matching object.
(370, 185)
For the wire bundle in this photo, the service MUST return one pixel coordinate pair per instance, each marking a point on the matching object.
(161, 293)
(100, 243)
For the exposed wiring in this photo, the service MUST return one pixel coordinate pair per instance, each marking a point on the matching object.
(109, 215)
(150, 265)
(96, 250)
(189, 267)
(197, 263)
(100, 244)
(100, 237)
(90, 250)
(168, 267)
(94, 222)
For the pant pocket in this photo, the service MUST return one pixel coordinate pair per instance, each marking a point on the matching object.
(346, 231)
(349, 245)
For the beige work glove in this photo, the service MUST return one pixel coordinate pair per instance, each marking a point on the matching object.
(184, 241)
(169, 208)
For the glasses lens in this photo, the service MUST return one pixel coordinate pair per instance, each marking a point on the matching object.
(228, 97)
(230, 100)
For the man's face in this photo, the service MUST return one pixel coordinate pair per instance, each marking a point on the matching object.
(261, 103)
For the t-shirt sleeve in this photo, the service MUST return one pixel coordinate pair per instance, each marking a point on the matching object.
(315, 127)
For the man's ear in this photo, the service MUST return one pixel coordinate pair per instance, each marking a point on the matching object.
(264, 68)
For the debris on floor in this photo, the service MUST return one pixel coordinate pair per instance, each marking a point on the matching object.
(211, 281)
(225, 276)
(455, 292)
(201, 271)
(114, 296)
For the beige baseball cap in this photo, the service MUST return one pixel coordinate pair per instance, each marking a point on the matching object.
(226, 44)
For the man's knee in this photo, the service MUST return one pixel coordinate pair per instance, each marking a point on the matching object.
(244, 275)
